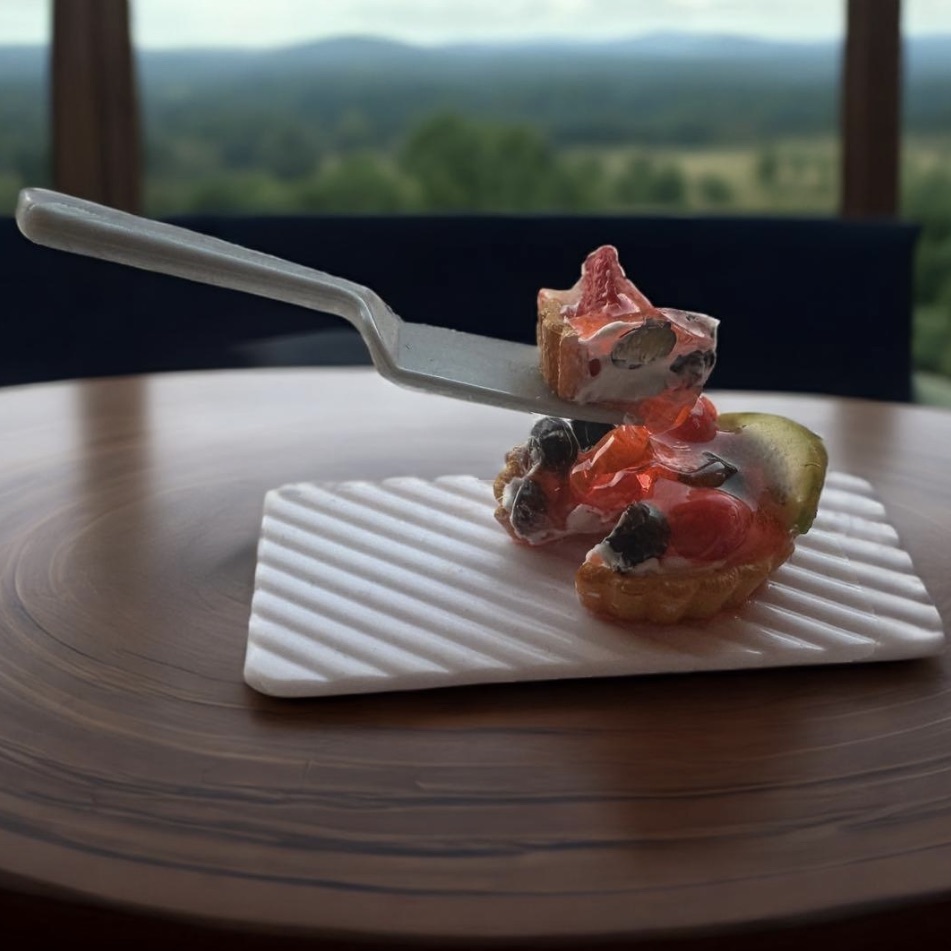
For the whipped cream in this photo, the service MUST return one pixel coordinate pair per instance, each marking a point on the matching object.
(606, 381)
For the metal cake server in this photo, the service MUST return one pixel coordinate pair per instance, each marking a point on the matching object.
(448, 362)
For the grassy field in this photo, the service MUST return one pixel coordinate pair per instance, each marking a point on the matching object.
(932, 389)
(791, 176)
(788, 176)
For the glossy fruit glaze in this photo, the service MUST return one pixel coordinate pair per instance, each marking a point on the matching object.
(690, 476)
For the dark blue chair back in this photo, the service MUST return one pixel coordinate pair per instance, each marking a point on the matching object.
(806, 305)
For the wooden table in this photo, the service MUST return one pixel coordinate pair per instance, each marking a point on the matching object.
(147, 793)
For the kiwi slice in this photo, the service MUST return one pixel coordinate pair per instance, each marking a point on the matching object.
(793, 458)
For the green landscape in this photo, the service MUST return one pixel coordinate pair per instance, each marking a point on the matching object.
(675, 124)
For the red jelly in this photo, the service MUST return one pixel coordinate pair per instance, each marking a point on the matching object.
(699, 426)
(629, 464)
(708, 525)
(616, 472)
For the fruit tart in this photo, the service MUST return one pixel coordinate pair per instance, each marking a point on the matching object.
(686, 520)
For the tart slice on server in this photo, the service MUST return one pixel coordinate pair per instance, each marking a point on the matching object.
(602, 341)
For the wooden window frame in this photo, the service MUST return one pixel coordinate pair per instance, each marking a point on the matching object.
(95, 117)
(871, 109)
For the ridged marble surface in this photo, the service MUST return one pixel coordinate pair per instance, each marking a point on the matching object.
(408, 584)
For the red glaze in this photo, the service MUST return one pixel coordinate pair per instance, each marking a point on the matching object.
(615, 472)
(709, 525)
(699, 426)
(629, 464)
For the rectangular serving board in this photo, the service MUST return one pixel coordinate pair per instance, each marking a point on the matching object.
(408, 584)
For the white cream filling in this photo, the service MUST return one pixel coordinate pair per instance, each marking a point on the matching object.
(623, 384)
(509, 491)
(667, 564)
(616, 327)
(581, 520)
(612, 560)
(629, 384)
(586, 520)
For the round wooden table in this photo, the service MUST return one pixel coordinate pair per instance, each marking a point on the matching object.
(146, 792)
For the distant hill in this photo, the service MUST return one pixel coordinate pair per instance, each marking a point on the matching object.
(666, 89)
(922, 52)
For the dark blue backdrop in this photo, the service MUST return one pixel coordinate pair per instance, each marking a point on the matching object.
(813, 305)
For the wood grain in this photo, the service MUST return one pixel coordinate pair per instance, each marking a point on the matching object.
(143, 786)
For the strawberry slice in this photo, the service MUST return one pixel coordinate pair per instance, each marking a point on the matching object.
(605, 288)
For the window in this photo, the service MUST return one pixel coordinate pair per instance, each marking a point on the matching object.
(490, 105)
(926, 188)
(24, 139)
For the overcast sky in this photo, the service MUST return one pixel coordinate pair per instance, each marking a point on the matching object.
(176, 23)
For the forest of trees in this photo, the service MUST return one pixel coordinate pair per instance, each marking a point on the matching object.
(678, 124)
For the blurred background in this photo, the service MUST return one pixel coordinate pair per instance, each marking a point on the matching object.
(676, 107)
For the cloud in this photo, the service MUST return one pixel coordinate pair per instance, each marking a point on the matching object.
(165, 23)
(252, 22)
(24, 21)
